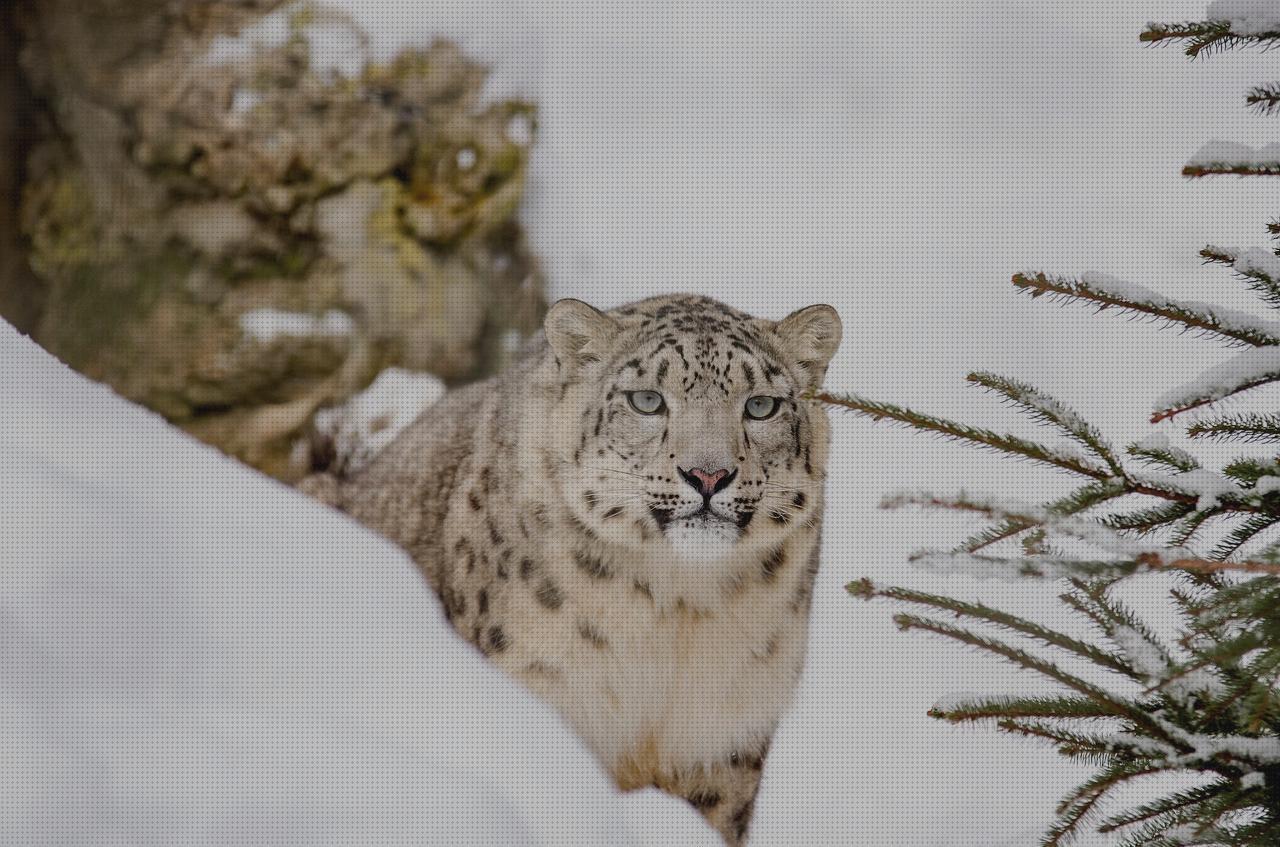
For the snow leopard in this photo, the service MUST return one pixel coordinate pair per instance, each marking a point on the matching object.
(628, 521)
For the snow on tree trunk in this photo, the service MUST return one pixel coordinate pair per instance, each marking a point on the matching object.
(238, 217)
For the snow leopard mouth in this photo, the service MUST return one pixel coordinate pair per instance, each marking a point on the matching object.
(704, 536)
(705, 519)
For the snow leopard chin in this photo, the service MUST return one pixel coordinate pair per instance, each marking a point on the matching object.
(703, 539)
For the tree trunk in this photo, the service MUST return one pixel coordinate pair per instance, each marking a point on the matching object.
(235, 223)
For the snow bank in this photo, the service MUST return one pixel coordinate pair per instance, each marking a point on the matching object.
(192, 653)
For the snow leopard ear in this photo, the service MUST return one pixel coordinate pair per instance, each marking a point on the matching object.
(578, 333)
(809, 337)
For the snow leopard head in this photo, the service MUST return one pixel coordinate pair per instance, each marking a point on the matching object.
(694, 428)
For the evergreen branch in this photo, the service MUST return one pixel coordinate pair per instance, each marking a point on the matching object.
(1164, 806)
(1193, 814)
(1007, 528)
(1149, 520)
(1045, 409)
(1249, 471)
(1108, 292)
(1005, 708)
(1264, 99)
(1238, 536)
(1245, 370)
(1250, 427)
(1259, 268)
(1206, 37)
(1045, 567)
(1009, 444)
(1004, 620)
(1156, 451)
(1075, 527)
(1194, 171)
(1072, 743)
(1077, 501)
(1191, 524)
(1073, 811)
(1156, 561)
(1028, 661)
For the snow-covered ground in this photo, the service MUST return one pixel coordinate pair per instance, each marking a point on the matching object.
(899, 161)
(191, 653)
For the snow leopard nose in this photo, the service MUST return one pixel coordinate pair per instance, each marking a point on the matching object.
(708, 484)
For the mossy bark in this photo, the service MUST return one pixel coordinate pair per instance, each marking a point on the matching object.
(235, 234)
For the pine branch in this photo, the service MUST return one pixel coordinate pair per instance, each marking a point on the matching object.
(1022, 658)
(1044, 567)
(1248, 427)
(1249, 471)
(1245, 370)
(1081, 499)
(1028, 661)
(1259, 268)
(1165, 806)
(1196, 171)
(1241, 534)
(1192, 523)
(1148, 520)
(1045, 409)
(1009, 444)
(1206, 37)
(1074, 744)
(1156, 451)
(1264, 99)
(1073, 811)
(1223, 157)
(1156, 561)
(1108, 292)
(1003, 708)
(1004, 620)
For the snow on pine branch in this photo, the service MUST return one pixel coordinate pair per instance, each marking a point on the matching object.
(1157, 449)
(1210, 488)
(1258, 266)
(1231, 23)
(1247, 17)
(1247, 369)
(1008, 569)
(1234, 326)
(1060, 456)
(1230, 157)
(1082, 529)
(1120, 553)
(1046, 409)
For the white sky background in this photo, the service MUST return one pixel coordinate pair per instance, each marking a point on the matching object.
(900, 161)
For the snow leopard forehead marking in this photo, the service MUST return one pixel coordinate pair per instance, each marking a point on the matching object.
(715, 349)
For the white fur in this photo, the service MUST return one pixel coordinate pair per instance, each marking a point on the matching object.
(692, 685)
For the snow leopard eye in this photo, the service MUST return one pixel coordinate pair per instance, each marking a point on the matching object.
(761, 407)
(646, 402)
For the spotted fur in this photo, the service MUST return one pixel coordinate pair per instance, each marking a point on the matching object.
(568, 542)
